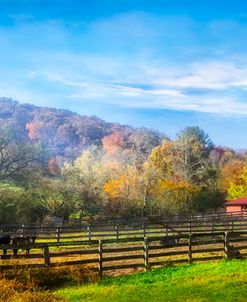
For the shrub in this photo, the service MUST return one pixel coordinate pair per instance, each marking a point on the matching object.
(28, 296)
(47, 278)
(13, 291)
(32, 284)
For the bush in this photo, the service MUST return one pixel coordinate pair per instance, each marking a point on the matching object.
(13, 291)
(31, 285)
(28, 296)
(47, 278)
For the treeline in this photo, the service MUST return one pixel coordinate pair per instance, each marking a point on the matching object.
(124, 173)
(66, 134)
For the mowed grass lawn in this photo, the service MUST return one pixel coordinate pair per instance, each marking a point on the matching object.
(214, 281)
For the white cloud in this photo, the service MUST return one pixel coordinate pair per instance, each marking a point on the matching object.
(155, 87)
(116, 62)
(207, 74)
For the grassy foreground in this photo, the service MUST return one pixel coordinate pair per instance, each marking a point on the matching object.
(214, 281)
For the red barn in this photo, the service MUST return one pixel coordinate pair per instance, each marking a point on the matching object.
(236, 205)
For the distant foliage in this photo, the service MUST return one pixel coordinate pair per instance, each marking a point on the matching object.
(53, 166)
(57, 165)
(67, 134)
(113, 142)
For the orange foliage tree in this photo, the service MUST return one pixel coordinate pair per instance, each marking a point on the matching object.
(113, 142)
(230, 173)
(33, 129)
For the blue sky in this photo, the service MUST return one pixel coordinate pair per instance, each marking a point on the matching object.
(163, 64)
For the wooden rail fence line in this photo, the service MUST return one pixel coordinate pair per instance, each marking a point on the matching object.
(137, 253)
(117, 232)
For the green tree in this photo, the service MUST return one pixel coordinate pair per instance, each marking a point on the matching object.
(18, 205)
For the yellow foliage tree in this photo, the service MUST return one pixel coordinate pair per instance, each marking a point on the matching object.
(239, 189)
(173, 196)
(128, 190)
(114, 188)
(230, 173)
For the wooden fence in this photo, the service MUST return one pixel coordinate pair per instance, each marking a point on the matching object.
(130, 229)
(118, 245)
(142, 253)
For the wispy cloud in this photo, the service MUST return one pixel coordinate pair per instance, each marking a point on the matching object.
(134, 60)
(211, 87)
(209, 74)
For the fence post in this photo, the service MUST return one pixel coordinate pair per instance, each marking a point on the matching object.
(190, 225)
(145, 249)
(117, 232)
(89, 234)
(212, 227)
(46, 255)
(226, 245)
(190, 248)
(100, 258)
(144, 229)
(166, 230)
(58, 235)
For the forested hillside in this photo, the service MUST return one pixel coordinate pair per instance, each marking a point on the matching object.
(55, 163)
(67, 134)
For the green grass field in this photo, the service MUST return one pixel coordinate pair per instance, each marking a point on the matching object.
(214, 281)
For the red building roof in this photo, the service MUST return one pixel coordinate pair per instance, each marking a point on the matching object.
(242, 201)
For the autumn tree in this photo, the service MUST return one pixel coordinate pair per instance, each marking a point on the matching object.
(185, 169)
(111, 143)
(239, 188)
(129, 192)
(87, 176)
(161, 158)
(34, 129)
(230, 173)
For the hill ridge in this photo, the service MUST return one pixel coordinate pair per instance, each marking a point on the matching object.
(67, 133)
